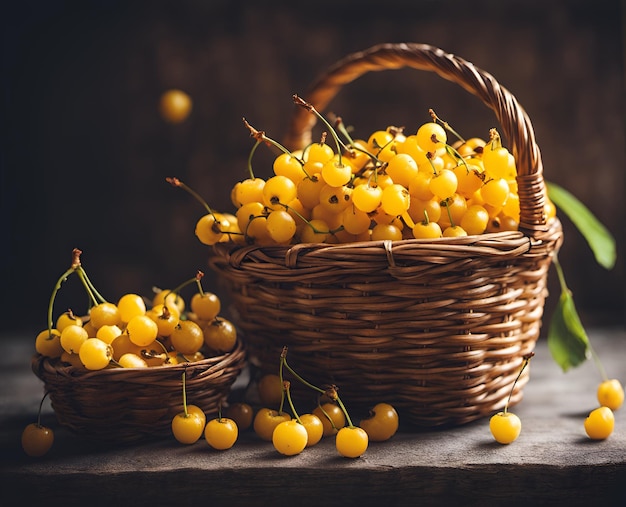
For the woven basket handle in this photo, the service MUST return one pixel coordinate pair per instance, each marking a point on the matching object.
(515, 124)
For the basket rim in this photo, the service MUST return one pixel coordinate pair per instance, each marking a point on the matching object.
(504, 243)
(41, 364)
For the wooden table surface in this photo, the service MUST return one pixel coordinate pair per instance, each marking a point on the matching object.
(552, 463)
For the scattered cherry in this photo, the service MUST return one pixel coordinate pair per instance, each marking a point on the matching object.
(506, 426)
(188, 425)
(221, 433)
(36, 438)
(599, 423)
(382, 422)
(611, 394)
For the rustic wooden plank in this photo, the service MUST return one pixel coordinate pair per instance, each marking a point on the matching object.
(552, 462)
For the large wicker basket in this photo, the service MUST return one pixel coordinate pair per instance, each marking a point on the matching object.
(126, 405)
(438, 327)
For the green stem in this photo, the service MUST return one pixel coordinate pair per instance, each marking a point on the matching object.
(291, 405)
(40, 408)
(95, 295)
(429, 156)
(199, 283)
(307, 222)
(300, 379)
(315, 388)
(598, 363)
(327, 415)
(56, 289)
(261, 137)
(345, 412)
(282, 384)
(339, 125)
(352, 146)
(185, 393)
(445, 125)
(454, 153)
(526, 361)
(495, 141)
(176, 290)
(560, 274)
(252, 151)
(447, 205)
(175, 182)
(309, 107)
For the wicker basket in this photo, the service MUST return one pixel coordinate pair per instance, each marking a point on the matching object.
(437, 327)
(126, 405)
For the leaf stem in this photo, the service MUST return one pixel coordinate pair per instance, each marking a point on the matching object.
(565, 289)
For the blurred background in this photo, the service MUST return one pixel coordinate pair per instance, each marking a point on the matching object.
(86, 154)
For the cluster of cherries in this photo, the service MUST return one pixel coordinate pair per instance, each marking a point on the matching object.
(391, 185)
(133, 332)
(289, 432)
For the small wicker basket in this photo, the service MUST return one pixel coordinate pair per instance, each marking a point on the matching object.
(126, 405)
(437, 327)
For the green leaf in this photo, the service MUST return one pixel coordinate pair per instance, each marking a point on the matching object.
(567, 340)
(597, 235)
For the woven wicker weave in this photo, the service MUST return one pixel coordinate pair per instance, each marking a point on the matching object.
(436, 327)
(125, 405)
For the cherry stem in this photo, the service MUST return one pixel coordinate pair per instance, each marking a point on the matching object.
(341, 127)
(73, 267)
(252, 151)
(307, 222)
(429, 156)
(286, 387)
(40, 408)
(447, 205)
(352, 147)
(309, 107)
(199, 276)
(89, 286)
(335, 397)
(175, 182)
(77, 268)
(495, 141)
(526, 361)
(445, 125)
(185, 393)
(455, 154)
(345, 411)
(283, 362)
(260, 136)
(56, 289)
(176, 290)
(426, 220)
(327, 415)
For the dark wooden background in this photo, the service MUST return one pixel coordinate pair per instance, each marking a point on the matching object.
(85, 153)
